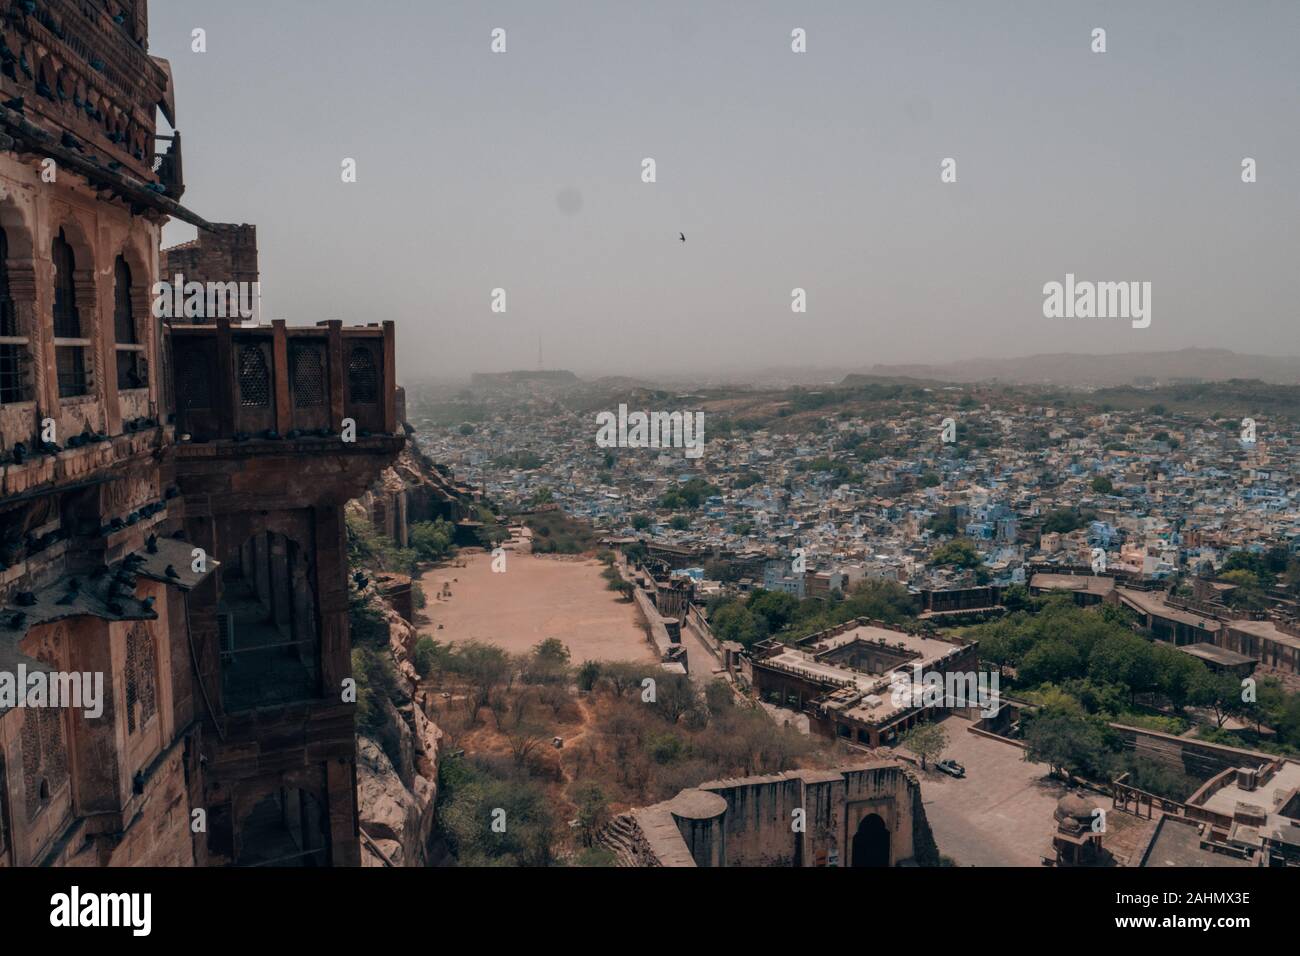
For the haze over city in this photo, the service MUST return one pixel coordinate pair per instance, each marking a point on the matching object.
(450, 437)
(819, 171)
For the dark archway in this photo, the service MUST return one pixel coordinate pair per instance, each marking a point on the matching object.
(871, 842)
(267, 623)
(286, 828)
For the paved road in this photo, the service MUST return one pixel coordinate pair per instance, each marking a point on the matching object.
(700, 659)
(1000, 813)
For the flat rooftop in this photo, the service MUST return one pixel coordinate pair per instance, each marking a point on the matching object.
(1090, 583)
(927, 648)
(873, 692)
(1265, 629)
(1177, 842)
(1217, 655)
(1154, 603)
(1269, 796)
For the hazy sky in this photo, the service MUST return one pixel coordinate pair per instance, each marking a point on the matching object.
(819, 170)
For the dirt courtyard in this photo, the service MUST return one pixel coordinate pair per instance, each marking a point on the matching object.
(535, 598)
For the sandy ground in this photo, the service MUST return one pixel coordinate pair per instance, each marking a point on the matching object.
(535, 598)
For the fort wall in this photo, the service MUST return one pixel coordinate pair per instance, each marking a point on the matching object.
(865, 815)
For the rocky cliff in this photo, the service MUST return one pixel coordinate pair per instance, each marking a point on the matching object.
(397, 761)
(397, 745)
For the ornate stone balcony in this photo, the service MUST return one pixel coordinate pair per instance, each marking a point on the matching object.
(81, 72)
(275, 383)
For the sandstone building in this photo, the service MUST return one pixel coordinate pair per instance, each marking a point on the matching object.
(127, 443)
(862, 816)
(216, 256)
(843, 678)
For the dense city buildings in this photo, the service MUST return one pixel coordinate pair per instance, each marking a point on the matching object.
(262, 607)
(1058, 496)
(1136, 522)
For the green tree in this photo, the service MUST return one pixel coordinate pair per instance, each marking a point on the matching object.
(1016, 598)
(527, 834)
(1049, 662)
(675, 696)
(959, 552)
(1124, 659)
(998, 648)
(735, 622)
(548, 663)
(588, 674)
(719, 696)
(1065, 742)
(367, 548)
(776, 609)
(1176, 674)
(927, 741)
(485, 667)
(428, 655)
(592, 811)
(431, 540)
(1269, 705)
(1288, 721)
(1065, 520)
(1220, 693)
(622, 676)
(552, 650)
(689, 495)
(1263, 567)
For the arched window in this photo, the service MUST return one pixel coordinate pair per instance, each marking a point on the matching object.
(69, 345)
(308, 376)
(45, 761)
(123, 323)
(130, 353)
(254, 378)
(13, 344)
(363, 379)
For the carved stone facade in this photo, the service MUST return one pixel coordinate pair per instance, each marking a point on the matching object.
(184, 545)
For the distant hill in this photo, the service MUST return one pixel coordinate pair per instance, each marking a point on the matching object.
(1186, 366)
(549, 376)
(1232, 399)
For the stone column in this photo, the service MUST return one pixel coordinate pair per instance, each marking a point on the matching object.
(23, 287)
(102, 387)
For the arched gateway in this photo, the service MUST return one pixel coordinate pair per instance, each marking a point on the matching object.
(871, 842)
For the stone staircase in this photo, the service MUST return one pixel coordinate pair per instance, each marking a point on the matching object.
(622, 837)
